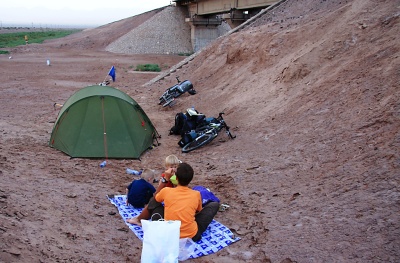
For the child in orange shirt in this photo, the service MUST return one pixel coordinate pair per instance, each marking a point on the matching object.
(184, 204)
(171, 163)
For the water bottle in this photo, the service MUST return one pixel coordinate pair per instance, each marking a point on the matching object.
(103, 164)
(134, 172)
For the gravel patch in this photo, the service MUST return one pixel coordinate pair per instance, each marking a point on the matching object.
(165, 33)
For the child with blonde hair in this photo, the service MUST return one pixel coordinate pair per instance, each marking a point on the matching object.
(171, 163)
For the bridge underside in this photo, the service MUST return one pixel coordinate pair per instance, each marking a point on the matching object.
(208, 7)
(206, 17)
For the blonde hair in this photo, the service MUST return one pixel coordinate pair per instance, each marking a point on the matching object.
(171, 159)
(147, 174)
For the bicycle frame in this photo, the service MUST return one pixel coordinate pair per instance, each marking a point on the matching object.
(224, 125)
(168, 97)
(207, 133)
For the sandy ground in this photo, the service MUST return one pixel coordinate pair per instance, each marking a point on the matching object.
(312, 94)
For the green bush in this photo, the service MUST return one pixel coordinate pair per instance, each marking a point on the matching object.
(185, 54)
(148, 67)
(4, 52)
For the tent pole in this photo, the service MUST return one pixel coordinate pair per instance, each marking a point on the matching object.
(105, 79)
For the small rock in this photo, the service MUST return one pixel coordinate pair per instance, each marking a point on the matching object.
(287, 260)
(14, 251)
(294, 196)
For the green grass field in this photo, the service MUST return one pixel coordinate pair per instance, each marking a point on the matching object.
(16, 39)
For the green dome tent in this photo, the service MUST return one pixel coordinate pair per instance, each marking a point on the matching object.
(102, 122)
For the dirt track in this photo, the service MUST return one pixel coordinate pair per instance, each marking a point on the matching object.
(313, 174)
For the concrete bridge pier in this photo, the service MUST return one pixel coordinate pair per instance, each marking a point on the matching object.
(205, 29)
(201, 36)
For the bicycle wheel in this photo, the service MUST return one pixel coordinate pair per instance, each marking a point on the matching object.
(199, 141)
(170, 102)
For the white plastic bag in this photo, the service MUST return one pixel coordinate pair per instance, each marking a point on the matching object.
(186, 248)
(160, 241)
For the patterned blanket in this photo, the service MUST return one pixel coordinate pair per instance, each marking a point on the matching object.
(215, 238)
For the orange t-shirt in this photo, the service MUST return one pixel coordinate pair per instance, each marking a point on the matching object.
(181, 203)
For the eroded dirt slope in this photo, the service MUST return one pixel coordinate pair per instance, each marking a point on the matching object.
(314, 92)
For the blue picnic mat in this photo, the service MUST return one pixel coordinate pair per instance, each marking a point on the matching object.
(216, 237)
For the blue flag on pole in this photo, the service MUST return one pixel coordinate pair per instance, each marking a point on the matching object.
(112, 73)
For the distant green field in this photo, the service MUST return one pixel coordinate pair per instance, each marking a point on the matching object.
(17, 39)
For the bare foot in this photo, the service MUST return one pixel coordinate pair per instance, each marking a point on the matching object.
(134, 221)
